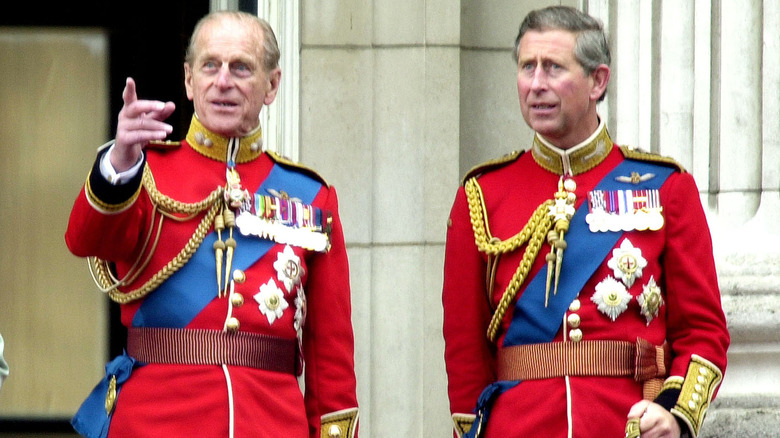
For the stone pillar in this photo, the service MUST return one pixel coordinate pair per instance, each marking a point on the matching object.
(380, 120)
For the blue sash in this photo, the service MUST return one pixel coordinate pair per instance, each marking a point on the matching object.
(184, 295)
(532, 322)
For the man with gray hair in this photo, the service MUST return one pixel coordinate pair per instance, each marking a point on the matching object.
(580, 294)
(228, 262)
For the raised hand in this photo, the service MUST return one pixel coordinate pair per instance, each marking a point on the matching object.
(140, 121)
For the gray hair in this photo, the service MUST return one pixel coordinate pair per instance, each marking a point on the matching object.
(591, 49)
(270, 53)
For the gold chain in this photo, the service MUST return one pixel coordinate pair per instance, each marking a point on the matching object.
(534, 232)
(168, 207)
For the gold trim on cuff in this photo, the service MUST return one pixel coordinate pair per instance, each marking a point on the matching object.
(696, 392)
(105, 207)
(340, 424)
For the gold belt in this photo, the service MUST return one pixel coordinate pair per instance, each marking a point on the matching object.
(644, 361)
(212, 347)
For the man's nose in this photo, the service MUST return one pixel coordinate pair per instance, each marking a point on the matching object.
(539, 79)
(224, 79)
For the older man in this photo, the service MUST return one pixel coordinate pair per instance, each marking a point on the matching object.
(229, 262)
(580, 291)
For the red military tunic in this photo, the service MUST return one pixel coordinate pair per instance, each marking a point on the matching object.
(675, 260)
(273, 288)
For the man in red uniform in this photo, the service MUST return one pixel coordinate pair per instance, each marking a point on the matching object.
(580, 294)
(229, 262)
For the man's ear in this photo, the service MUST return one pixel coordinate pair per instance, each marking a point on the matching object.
(188, 80)
(274, 77)
(600, 78)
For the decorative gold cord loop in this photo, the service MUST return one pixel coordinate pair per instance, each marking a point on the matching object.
(168, 207)
(534, 233)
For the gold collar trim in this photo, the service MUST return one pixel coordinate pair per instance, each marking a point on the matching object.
(215, 146)
(576, 160)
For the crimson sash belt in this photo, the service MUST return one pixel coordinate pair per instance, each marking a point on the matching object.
(212, 347)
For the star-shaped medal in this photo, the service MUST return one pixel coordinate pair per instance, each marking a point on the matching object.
(627, 263)
(611, 297)
(650, 300)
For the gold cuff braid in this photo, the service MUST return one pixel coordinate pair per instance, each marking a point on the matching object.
(340, 424)
(696, 392)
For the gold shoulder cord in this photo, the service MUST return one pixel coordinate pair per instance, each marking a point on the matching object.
(533, 233)
(170, 208)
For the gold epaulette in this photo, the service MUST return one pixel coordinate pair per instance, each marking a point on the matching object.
(634, 154)
(163, 145)
(290, 163)
(491, 165)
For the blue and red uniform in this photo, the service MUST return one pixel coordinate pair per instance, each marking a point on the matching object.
(158, 233)
(553, 369)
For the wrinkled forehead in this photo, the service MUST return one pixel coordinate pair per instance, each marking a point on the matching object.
(227, 33)
(556, 43)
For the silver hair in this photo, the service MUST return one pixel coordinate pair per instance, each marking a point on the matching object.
(270, 53)
(591, 49)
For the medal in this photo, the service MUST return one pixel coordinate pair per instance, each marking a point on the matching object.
(626, 210)
(627, 263)
(611, 297)
(271, 301)
(288, 268)
(285, 220)
(650, 300)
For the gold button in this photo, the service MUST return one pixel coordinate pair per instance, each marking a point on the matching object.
(575, 335)
(236, 299)
(232, 324)
(334, 431)
(239, 276)
(574, 306)
(574, 320)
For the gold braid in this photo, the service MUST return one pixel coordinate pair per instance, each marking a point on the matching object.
(168, 207)
(534, 233)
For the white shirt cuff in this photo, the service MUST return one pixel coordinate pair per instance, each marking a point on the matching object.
(114, 177)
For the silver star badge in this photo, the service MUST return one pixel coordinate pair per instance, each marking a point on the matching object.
(611, 297)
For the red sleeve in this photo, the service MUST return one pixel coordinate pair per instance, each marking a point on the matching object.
(695, 320)
(328, 343)
(107, 221)
(469, 357)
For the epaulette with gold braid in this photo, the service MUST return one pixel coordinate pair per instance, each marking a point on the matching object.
(491, 165)
(290, 163)
(634, 154)
(163, 145)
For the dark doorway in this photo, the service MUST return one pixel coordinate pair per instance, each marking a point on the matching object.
(147, 40)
